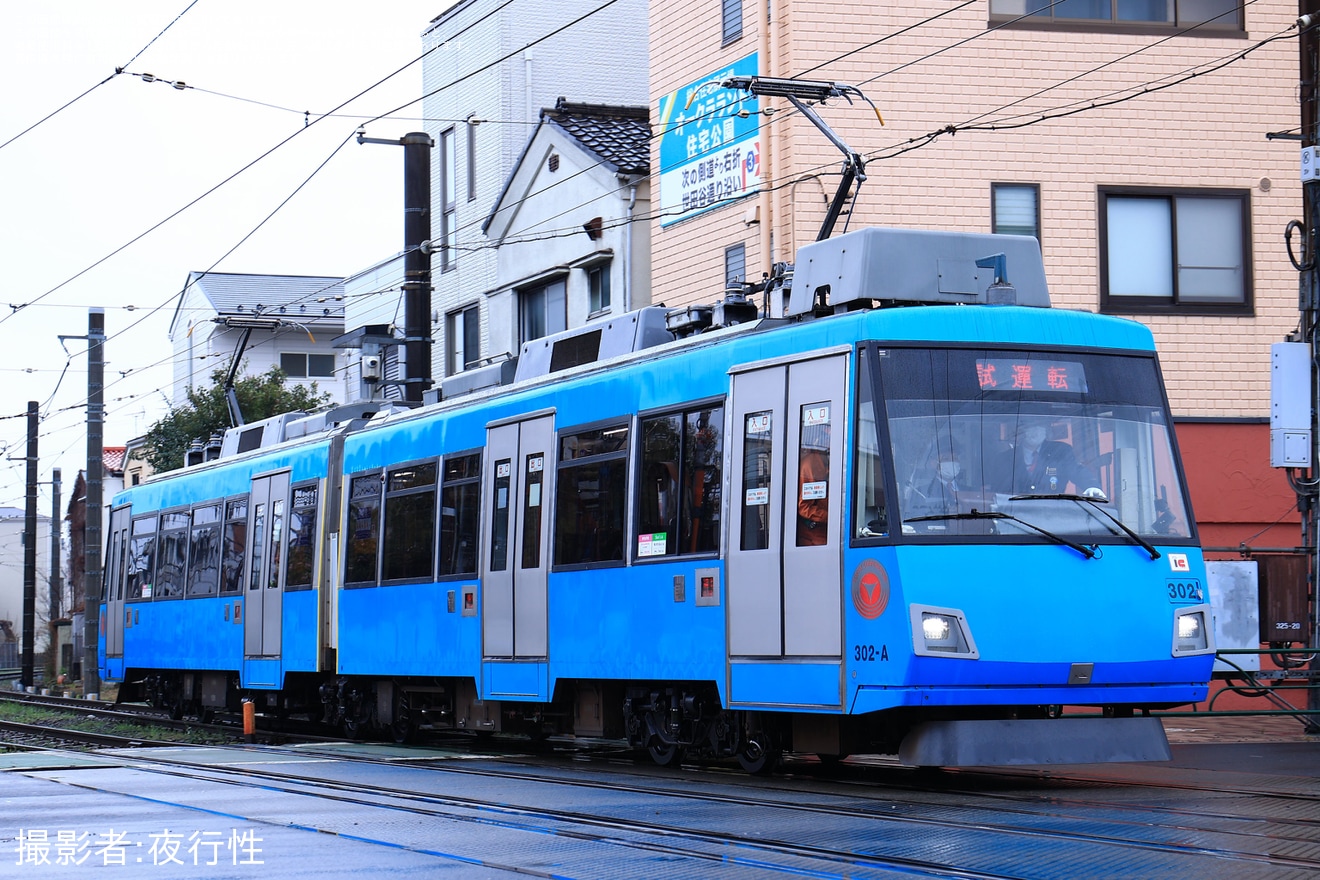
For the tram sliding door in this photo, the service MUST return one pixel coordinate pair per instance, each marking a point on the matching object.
(520, 473)
(263, 616)
(114, 582)
(784, 549)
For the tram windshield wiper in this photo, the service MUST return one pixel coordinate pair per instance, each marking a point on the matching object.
(1088, 552)
(1092, 504)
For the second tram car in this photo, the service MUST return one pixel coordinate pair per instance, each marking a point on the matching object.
(886, 510)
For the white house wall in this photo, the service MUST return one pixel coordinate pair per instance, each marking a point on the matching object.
(542, 227)
(11, 574)
(509, 96)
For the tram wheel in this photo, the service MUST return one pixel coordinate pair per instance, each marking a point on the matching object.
(404, 728)
(760, 755)
(665, 754)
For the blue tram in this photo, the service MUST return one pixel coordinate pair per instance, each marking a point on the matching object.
(900, 506)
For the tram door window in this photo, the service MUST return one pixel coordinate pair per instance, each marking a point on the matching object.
(204, 552)
(301, 564)
(409, 542)
(758, 454)
(263, 616)
(114, 583)
(141, 558)
(460, 501)
(784, 586)
(533, 504)
(499, 544)
(236, 513)
(521, 477)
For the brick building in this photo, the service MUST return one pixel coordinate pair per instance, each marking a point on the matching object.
(1130, 138)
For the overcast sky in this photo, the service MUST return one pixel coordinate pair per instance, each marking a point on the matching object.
(116, 164)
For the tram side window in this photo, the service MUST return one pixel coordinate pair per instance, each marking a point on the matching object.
(758, 449)
(591, 496)
(460, 501)
(302, 539)
(363, 529)
(870, 517)
(172, 556)
(231, 571)
(204, 552)
(409, 546)
(141, 558)
(679, 489)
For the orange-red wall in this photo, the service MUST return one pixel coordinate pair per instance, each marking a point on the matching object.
(1236, 496)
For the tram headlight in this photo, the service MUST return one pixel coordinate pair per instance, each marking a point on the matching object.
(1191, 634)
(935, 627)
(941, 632)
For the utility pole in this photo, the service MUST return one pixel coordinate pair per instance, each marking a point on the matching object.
(30, 551)
(1309, 306)
(416, 260)
(91, 676)
(56, 546)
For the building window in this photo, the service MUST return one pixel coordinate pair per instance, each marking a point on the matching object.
(735, 264)
(1015, 209)
(542, 310)
(598, 288)
(463, 338)
(732, 14)
(1142, 15)
(448, 197)
(297, 365)
(1186, 251)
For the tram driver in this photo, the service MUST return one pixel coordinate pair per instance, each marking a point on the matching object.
(1036, 464)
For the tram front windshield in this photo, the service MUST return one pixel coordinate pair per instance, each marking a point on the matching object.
(1009, 445)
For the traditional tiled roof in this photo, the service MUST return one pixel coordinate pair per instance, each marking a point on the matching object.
(620, 136)
(112, 458)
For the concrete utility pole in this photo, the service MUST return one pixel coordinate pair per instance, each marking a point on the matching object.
(416, 260)
(91, 675)
(30, 551)
(1309, 300)
(56, 577)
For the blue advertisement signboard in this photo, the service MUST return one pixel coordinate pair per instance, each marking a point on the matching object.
(710, 144)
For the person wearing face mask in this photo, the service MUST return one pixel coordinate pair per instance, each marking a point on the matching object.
(938, 493)
(1037, 465)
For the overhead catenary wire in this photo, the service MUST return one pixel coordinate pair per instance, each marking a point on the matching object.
(656, 214)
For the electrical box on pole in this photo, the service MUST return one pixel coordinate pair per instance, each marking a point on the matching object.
(1290, 405)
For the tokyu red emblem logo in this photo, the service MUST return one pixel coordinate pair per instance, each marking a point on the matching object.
(870, 589)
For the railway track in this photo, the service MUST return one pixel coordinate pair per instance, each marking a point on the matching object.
(862, 821)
